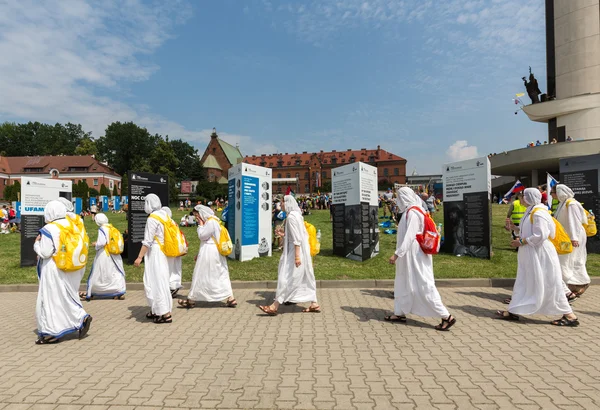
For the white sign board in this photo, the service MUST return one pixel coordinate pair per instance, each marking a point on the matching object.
(355, 183)
(250, 211)
(466, 177)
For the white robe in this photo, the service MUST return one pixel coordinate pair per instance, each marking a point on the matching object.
(107, 277)
(572, 265)
(538, 287)
(58, 310)
(74, 278)
(414, 285)
(175, 272)
(156, 268)
(295, 284)
(210, 282)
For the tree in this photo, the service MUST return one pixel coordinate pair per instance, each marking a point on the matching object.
(34, 138)
(126, 146)
(93, 193)
(87, 146)
(81, 189)
(104, 191)
(115, 191)
(124, 183)
(11, 192)
(210, 191)
(189, 167)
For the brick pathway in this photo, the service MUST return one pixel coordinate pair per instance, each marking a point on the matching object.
(346, 357)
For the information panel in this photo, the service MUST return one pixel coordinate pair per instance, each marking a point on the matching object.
(467, 209)
(35, 194)
(140, 185)
(581, 174)
(355, 211)
(250, 211)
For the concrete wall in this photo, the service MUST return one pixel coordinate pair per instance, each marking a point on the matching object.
(582, 124)
(577, 47)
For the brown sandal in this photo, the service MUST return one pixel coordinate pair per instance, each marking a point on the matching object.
(186, 303)
(268, 310)
(231, 303)
(311, 309)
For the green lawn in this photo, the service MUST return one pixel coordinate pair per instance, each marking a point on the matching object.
(503, 263)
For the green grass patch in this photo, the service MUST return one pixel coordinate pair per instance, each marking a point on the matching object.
(327, 266)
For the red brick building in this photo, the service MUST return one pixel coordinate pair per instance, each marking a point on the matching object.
(74, 168)
(219, 157)
(313, 170)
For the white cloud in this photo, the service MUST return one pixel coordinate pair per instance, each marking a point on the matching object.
(61, 59)
(461, 150)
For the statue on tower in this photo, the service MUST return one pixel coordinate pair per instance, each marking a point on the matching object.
(532, 88)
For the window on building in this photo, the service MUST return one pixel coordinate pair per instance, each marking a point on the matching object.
(119, 186)
(306, 175)
(95, 182)
(288, 175)
(307, 188)
(298, 162)
(78, 169)
(298, 175)
(279, 175)
(279, 189)
(33, 169)
(334, 160)
(111, 185)
(214, 150)
(396, 171)
(324, 174)
(352, 158)
(385, 172)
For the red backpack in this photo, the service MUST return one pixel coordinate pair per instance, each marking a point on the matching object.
(429, 240)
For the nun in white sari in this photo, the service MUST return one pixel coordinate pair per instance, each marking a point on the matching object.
(107, 277)
(571, 215)
(58, 311)
(156, 266)
(175, 269)
(538, 289)
(295, 278)
(414, 286)
(210, 282)
(74, 278)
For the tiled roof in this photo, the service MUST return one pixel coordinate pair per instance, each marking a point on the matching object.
(325, 158)
(18, 165)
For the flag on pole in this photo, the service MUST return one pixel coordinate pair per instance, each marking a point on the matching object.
(516, 188)
(550, 183)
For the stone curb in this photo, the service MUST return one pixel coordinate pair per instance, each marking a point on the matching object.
(327, 284)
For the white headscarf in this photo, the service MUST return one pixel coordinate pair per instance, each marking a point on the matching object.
(101, 220)
(54, 210)
(407, 198)
(204, 211)
(167, 210)
(291, 205)
(563, 192)
(152, 203)
(532, 197)
(68, 204)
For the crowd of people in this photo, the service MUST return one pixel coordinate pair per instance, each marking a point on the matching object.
(546, 283)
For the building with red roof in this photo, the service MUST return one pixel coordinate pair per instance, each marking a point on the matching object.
(313, 170)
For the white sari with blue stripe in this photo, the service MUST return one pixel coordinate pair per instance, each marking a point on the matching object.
(107, 277)
(58, 309)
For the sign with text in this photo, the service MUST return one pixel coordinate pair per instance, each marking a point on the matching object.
(140, 185)
(249, 213)
(582, 175)
(355, 211)
(186, 187)
(35, 194)
(467, 209)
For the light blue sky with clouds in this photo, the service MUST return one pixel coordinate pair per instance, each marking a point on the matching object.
(429, 80)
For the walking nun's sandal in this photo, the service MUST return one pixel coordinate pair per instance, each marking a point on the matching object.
(164, 319)
(268, 310)
(572, 297)
(312, 309)
(231, 303)
(151, 316)
(395, 318)
(446, 324)
(506, 315)
(120, 297)
(86, 326)
(186, 303)
(565, 321)
(46, 340)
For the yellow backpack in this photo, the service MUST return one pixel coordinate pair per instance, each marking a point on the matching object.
(175, 244)
(315, 246)
(73, 250)
(224, 244)
(590, 228)
(114, 242)
(78, 222)
(561, 241)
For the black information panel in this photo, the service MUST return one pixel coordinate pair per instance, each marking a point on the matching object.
(584, 184)
(355, 231)
(30, 228)
(467, 226)
(140, 185)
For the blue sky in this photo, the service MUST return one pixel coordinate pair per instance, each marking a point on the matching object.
(429, 80)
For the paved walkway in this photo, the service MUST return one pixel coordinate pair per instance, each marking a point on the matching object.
(347, 357)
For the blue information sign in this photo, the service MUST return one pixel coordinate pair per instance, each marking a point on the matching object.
(250, 205)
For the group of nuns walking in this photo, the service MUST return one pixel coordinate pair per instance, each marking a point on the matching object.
(542, 276)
